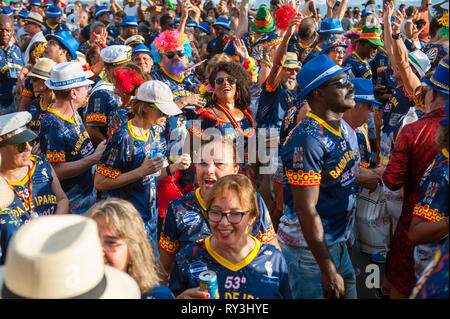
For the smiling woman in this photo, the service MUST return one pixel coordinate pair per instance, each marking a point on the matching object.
(245, 267)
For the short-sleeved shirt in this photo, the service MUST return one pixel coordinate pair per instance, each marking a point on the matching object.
(186, 223)
(432, 206)
(261, 275)
(435, 52)
(11, 63)
(394, 112)
(315, 154)
(360, 68)
(64, 140)
(84, 47)
(51, 30)
(125, 151)
(101, 103)
(43, 200)
(272, 104)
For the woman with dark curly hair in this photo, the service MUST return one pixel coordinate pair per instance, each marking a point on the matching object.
(227, 109)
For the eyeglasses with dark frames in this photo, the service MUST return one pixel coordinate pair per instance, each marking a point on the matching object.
(216, 216)
(229, 79)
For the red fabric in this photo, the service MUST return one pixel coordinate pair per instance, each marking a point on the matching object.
(414, 151)
(167, 190)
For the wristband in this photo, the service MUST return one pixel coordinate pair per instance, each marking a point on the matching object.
(168, 170)
(398, 36)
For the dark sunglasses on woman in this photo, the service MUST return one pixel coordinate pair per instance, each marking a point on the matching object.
(230, 80)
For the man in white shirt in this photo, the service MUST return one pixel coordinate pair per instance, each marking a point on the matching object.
(33, 26)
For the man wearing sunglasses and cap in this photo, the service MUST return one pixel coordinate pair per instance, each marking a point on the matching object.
(31, 177)
(64, 139)
(321, 193)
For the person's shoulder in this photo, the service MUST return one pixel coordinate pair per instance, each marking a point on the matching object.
(159, 292)
(192, 251)
(184, 201)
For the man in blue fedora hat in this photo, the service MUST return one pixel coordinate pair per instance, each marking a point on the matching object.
(320, 194)
(328, 28)
(128, 27)
(142, 57)
(102, 14)
(61, 47)
(53, 23)
(222, 28)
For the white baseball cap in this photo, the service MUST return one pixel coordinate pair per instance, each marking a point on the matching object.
(159, 93)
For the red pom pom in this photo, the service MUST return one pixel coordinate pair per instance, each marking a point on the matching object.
(283, 16)
(127, 79)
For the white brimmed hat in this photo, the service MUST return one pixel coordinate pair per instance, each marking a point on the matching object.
(67, 75)
(61, 257)
(115, 55)
(13, 128)
(158, 93)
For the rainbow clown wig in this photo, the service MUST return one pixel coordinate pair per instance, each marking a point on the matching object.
(170, 40)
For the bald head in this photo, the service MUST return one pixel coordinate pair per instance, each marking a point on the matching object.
(307, 29)
(6, 30)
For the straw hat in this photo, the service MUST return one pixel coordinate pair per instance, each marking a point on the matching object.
(42, 68)
(60, 257)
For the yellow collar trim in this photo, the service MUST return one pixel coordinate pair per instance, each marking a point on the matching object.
(171, 76)
(445, 152)
(140, 138)
(233, 267)
(41, 104)
(200, 199)
(120, 37)
(304, 46)
(72, 120)
(54, 27)
(354, 52)
(25, 179)
(325, 124)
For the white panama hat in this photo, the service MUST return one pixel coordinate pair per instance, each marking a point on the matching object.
(60, 257)
(67, 75)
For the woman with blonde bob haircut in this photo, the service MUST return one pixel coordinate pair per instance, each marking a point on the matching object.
(125, 245)
(244, 267)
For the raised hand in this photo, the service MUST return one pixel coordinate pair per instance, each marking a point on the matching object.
(241, 49)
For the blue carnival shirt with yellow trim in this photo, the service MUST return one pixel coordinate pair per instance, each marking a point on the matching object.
(63, 140)
(380, 62)
(360, 68)
(119, 158)
(435, 52)
(37, 110)
(185, 223)
(298, 48)
(101, 103)
(178, 125)
(261, 275)
(51, 30)
(43, 200)
(394, 112)
(432, 205)
(11, 63)
(315, 154)
(273, 103)
(113, 32)
(119, 40)
(311, 53)
(83, 48)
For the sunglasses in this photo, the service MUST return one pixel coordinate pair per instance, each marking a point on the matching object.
(339, 50)
(171, 54)
(230, 80)
(23, 146)
(342, 83)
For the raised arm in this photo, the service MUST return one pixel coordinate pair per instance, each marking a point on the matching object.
(243, 19)
(400, 52)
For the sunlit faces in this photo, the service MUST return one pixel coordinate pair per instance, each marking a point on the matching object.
(337, 55)
(115, 250)
(144, 61)
(235, 222)
(18, 155)
(226, 90)
(217, 160)
(338, 93)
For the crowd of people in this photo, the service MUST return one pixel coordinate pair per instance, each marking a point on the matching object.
(129, 131)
